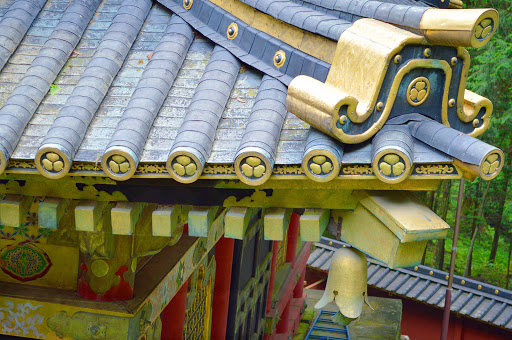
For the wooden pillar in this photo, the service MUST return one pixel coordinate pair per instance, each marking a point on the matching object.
(283, 324)
(293, 233)
(224, 260)
(275, 247)
(298, 291)
(173, 316)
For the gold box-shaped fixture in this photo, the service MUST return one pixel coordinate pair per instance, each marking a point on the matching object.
(392, 227)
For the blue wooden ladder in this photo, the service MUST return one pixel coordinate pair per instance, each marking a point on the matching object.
(324, 324)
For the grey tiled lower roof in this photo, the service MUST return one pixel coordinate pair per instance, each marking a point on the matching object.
(470, 298)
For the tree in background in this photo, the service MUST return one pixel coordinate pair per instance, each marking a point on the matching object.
(491, 76)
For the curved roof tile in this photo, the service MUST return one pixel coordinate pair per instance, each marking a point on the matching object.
(110, 67)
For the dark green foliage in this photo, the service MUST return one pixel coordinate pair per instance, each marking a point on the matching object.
(490, 75)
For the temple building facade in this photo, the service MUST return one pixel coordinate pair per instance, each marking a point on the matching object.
(166, 165)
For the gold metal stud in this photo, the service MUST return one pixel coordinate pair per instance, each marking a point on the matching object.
(415, 267)
(496, 292)
(463, 282)
(379, 106)
(279, 58)
(431, 273)
(476, 123)
(398, 59)
(232, 31)
(330, 243)
(479, 287)
(451, 102)
(427, 53)
(454, 61)
(446, 277)
(343, 120)
(187, 4)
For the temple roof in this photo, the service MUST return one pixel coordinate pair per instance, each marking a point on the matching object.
(474, 299)
(129, 89)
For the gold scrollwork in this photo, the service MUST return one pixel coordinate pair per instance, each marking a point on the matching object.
(364, 169)
(151, 169)
(434, 169)
(79, 166)
(219, 169)
(22, 164)
(288, 170)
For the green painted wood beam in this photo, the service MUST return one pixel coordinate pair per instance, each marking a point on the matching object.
(237, 221)
(125, 216)
(50, 212)
(165, 220)
(313, 224)
(13, 209)
(200, 219)
(276, 223)
(88, 214)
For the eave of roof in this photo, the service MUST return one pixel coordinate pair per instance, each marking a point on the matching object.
(288, 143)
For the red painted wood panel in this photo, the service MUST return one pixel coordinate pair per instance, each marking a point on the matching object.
(224, 261)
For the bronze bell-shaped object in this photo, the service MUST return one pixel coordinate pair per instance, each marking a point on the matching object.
(346, 284)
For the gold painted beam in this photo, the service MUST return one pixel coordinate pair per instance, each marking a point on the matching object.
(13, 209)
(237, 221)
(88, 214)
(50, 212)
(200, 219)
(276, 223)
(166, 219)
(313, 224)
(125, 216)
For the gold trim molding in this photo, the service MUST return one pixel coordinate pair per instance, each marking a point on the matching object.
(227, 171)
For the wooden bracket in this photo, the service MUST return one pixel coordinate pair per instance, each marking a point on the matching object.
(276, 223)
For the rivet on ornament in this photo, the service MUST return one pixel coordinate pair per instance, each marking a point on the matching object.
(451, 102)
(427, 53)
(232, 31)
(380, 106)
(187, 4)
(279, 58)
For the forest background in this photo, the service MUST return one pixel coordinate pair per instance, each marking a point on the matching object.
(484, 247)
